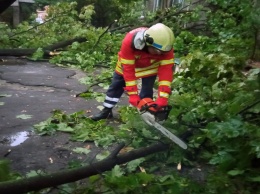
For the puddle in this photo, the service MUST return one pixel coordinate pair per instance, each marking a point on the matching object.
(18, 138)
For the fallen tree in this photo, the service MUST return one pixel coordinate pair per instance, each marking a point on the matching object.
(46, 50)
(72, 175)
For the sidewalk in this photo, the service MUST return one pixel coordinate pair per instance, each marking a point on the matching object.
(29, 91)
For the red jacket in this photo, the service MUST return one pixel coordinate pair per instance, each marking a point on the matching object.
(133, 63)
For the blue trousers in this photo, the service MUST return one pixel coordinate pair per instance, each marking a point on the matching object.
(116, 89)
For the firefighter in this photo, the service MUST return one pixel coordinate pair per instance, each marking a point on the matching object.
(145, 53)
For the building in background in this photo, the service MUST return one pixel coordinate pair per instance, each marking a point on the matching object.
(154, 5)
(16, 10)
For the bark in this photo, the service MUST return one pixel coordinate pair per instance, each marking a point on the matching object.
(256, 46)
(72, 175)
(26, 52)
(65, 43)
(5, 4)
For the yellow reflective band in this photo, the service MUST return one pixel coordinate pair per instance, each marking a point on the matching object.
(145, 73)
(131, 93)
(155, 65)
(164, 94)
(131, 83)
(164, 83)
(167, 62)
(127, 62)
(118, 68)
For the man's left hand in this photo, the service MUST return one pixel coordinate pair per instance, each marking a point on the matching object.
(161, 102)
(134, 99)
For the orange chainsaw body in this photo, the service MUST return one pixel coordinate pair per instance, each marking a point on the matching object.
(148, 104)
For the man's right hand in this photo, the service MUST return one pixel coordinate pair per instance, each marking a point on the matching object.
(134, 100)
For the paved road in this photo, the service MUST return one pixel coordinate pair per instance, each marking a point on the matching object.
(34, 89)
(30, 88)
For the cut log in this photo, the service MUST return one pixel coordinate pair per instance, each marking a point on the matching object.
(66, 176)
(28, 52)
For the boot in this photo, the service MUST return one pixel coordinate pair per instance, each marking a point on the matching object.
(106, 113)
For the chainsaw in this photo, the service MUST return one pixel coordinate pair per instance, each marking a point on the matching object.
(153, 116)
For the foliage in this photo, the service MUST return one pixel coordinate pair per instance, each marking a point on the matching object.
(85, 129)
(106, 11)
(29, 34)
(135, 14)
(5, 30)
(118, 180)
(42, 3)
(5, 171)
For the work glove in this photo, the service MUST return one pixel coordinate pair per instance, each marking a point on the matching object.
(161, 102)
(134, 99)
(163, 95)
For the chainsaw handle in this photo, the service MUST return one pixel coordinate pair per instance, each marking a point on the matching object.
(160, 112)
(155, 107)
(147, 107)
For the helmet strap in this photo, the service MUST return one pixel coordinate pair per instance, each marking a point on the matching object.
(148, 39)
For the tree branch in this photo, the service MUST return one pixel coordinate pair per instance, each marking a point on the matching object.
(248, 107)
(94, 84)
(99, 38)
(37, 25)
(26, 52)
(72, 175)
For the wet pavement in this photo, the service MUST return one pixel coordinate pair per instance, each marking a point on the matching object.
(29, 92)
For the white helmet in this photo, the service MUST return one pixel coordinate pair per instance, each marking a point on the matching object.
(160, 37)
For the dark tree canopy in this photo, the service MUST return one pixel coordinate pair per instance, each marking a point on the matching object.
(5, 4)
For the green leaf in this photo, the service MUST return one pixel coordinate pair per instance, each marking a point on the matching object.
(102, 155)
(145, 177)
(94, 178)
(4, 170)
(221, 157)
(256, 146)
(164, 178)
(255, 179)
(33, 173)
(132, 165)
(5, 95)
(24, 116)
(117, 171)
(81, 150)
(147, 133)
(38, 54)
(105, 140)
(235, 172)
(45, 127)
(64, 127)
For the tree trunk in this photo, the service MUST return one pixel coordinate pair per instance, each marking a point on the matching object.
(72, 175)
(28, 52)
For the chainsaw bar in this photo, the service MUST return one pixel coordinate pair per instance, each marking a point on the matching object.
(150, 120)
